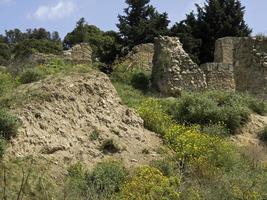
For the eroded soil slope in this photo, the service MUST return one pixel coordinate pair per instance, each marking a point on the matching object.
(81, 113)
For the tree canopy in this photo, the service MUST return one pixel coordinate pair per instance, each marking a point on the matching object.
(141, 23)
(216, 19)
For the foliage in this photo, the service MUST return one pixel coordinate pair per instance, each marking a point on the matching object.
(94, 135)
(5, 53)
(210, 108)
(263, 134)
(140, 81)
(8, 125)
(149, 183)
(30, 75)
(105, 178)
(129, 95)
(106, 45)
(216, 19)
(110, 146)
(155, 119)
(141, 23)
(2, 147)
(25, 179)
(30, 46)
(7, 83)
(191, 146)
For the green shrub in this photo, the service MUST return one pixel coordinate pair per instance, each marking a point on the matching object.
(110, 146)
(31, 75)
(94, 135)
(209, 108)
(8, 125)
(140, 81)
(149, 183)
(105, 178)
(2, 147)
(129, 96)
(155, 119)
(7, 83)
(263, 134)
(215, 129)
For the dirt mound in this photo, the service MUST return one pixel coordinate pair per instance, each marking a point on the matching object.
(249, 141)
(81, 114)
(140, 57)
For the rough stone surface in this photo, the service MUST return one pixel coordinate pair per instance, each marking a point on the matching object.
(249, 58)
(140, 57)
(173, 70)
(219, 76)
(78, 54)
(82, 111)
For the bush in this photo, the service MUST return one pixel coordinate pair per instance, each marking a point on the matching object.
(105, 179)
(210, 109)
(110, 146)
(191, 146)
(2, 147)
(155, 119)
(31, 75)
(263, 134)
(149, 183)
(8, 125)
(7, 83)
(140, 81)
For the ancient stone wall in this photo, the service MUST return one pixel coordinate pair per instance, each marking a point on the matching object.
(140, 57)
(173, 70)
(78, 54)
(219, 76)
(249, 59)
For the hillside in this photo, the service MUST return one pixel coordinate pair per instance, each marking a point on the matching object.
(79, 114)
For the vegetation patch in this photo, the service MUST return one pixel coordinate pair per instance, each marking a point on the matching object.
(263, 134)
(8, 125)
(110, 146)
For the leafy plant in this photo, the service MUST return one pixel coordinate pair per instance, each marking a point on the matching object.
(31, 75)
(149, 183)
(110, 146)
(105, 178)
(8, 125)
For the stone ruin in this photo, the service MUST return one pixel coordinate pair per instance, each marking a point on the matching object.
(78, 54)
(249, 59)
(173, 70)
(240, 64)
(141, 57)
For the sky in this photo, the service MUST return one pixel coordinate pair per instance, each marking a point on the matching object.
(62, 15)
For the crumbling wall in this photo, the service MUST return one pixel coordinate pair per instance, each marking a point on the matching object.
(140, 57)
(173, 70)
(78, 54)
(250, 61)
(219, 76)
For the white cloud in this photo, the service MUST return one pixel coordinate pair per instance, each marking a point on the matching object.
(58, 11)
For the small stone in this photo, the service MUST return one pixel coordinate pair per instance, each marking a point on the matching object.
(134, 160)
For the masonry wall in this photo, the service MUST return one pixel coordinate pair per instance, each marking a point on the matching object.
(219, 76)
(249, 59)
(173, 70)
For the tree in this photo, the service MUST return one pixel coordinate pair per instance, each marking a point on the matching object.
(216, 19)
(141, 23)
(185, 30)
(106, 45)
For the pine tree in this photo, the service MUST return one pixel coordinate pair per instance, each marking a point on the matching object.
(141, 23)
(216, 19)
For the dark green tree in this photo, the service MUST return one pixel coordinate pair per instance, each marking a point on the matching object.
(185, 30)
(216, 19)
(106, 45)
(141, 23)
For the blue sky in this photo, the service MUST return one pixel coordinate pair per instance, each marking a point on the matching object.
(61, 15)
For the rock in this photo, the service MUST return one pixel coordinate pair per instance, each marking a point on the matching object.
(171, 61)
